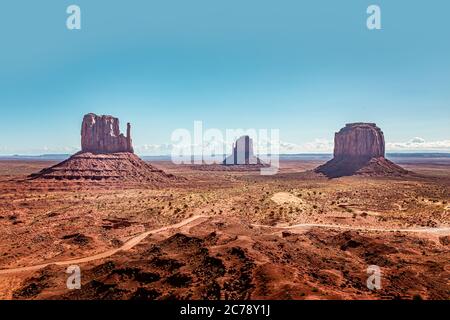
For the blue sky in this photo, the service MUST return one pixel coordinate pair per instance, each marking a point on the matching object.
(304, 67)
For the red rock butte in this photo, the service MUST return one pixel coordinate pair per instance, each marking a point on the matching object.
(101, 134)
(105, 154)
(359, 149)
(359, 140)
(242, 153)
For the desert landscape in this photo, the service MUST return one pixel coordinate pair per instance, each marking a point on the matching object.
(157, 230)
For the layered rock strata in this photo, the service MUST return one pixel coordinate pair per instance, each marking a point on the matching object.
(105, 154)
(101, 134)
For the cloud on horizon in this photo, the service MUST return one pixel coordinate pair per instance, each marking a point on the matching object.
(319, 145)
(419, 144)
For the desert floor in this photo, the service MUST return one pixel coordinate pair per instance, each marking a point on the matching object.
(227, 235)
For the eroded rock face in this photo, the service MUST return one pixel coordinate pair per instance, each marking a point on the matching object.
(106, 155)
(101, 134)
(242, 153)
(359, 140)
(359, 148)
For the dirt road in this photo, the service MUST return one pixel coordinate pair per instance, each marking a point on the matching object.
(126, 246)
(137, 239)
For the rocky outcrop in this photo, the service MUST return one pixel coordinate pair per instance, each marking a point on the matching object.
(106, 155)
(242, 153)
(359, 140)
(101, 134)
(359, 148)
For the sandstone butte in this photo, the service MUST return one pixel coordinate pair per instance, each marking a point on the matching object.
(359, 149)
(242, 153)
(101, 134)
(106, 154)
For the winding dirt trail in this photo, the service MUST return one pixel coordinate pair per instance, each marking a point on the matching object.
(443, 231)
(126, 246)
(137, 239)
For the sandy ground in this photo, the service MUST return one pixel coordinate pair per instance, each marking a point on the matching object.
(295, 235)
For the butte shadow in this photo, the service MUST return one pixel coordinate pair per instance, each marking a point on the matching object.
(105, 154)
(359, 149)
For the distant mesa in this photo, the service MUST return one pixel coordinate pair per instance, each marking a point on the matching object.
(105, 154)
(241, 159)
(359, 149)
(242, 153)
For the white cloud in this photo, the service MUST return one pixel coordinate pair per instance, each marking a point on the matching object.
(319, 145)
(417, 140)
(315, 146)
(153, 149)
(419, 144)
(39, 151)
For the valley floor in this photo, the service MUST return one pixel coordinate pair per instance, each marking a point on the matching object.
(227, 235)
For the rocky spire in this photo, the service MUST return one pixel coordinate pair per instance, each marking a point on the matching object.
(101, 134)
(242, 153)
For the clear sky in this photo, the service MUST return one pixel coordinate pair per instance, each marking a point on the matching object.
(304, 67)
